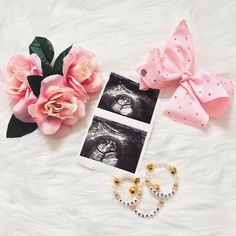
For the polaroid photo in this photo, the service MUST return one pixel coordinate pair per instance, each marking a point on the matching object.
(120, 128)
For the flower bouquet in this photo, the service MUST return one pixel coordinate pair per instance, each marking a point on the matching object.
(46, 95)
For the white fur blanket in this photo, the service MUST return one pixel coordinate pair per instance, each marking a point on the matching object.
(44, 192)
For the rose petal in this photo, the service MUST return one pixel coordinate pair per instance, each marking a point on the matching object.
(79, 89)
(20, 109)
(81, 72)
(24, 65)
(64, 130)
(52, 80)
(70, 121)
(36, 64)
(50, 125)
(80, 113)
(96, 83)
(37, 111)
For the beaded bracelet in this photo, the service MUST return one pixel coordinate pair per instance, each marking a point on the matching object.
(152, 213)
(154, 188)
(135, 191)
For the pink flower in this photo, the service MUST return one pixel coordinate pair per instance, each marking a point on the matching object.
(16, 84)
(81, 72)
(57, 107)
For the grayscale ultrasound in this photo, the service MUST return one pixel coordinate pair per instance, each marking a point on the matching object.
(122, 96)
(114, 144)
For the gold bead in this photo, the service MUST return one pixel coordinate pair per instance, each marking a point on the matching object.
(156, 187)
(147, 183)
(116, 181)
(136, 181)
(161, 203)
(172, 170)
(117, 195)
(140, 193)
(150, 167)
(133, 190)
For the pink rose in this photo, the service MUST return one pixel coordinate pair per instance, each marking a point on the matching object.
(16, 84)
(81, 72)
(57, 107)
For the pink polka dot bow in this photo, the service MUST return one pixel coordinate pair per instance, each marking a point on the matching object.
(197, 97)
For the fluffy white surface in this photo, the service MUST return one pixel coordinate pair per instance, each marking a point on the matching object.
(43, 192)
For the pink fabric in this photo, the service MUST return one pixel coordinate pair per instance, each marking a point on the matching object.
(197, 97)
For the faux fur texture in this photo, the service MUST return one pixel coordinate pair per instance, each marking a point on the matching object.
(44, 192)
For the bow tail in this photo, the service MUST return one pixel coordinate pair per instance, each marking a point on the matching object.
(213, 92)
(186, 108)
(218, 106)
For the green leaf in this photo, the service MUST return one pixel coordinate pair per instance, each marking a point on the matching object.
(35, 83)
(16, 128)
(58, 65)
(44, 49)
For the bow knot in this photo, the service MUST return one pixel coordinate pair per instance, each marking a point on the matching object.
(185, 77)
(197, 97)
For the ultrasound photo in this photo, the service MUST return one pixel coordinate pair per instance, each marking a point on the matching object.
(122, 96)
(114, 144)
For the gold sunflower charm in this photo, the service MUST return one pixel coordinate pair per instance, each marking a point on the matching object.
(150, 167)
(172, 170)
